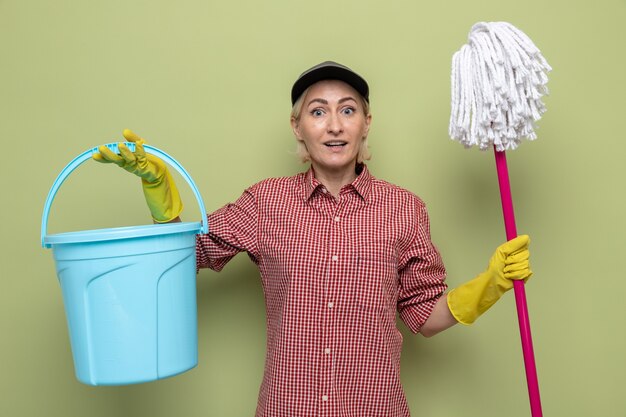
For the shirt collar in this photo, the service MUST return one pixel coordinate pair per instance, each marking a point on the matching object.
(362, 184)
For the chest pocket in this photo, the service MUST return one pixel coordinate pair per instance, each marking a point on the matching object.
(376, 284)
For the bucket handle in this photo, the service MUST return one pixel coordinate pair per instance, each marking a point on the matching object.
(87, 155)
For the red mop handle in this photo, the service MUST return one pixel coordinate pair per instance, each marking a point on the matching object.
(518, 286)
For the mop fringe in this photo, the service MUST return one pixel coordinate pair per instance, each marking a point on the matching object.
(498, 80)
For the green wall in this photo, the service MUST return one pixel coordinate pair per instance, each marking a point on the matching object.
(208, 81)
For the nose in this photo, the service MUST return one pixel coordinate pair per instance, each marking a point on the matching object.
(334, 126)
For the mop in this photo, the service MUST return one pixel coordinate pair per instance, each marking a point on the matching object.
(498, 80)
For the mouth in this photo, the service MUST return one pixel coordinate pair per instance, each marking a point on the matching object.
(335, 144)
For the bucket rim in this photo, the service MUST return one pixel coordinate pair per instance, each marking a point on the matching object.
(119, 233)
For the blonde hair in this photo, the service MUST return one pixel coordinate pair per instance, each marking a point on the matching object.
(303, 154)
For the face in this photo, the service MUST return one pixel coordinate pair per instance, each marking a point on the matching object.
(332, 125)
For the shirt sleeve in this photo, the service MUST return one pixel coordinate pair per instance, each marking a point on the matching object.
(422, 276)
(232, 229)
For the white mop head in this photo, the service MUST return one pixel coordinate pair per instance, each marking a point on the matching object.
(498, 80)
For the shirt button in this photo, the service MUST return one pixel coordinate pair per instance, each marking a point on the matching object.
(324, 190)
(324, 397)
(331, 304)
(336, 219)
(327, 351)
(335, 258)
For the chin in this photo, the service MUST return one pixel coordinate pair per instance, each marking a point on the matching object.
(337, 166)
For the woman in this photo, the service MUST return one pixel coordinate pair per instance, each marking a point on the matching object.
(339, 252)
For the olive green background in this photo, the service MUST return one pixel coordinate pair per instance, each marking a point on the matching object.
(208, 82)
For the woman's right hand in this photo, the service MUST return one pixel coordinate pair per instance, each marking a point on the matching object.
(158, 185)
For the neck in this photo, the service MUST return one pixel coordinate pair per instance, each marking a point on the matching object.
(335, 180)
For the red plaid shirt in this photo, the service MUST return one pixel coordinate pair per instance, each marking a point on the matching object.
(334, 273)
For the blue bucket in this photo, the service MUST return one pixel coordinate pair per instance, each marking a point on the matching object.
(129, 292)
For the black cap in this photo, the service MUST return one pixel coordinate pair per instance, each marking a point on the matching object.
(329, 70)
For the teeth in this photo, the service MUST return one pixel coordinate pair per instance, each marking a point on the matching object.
(335, 143)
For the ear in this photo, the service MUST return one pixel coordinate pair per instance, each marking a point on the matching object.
(368, 122)
(295, 126)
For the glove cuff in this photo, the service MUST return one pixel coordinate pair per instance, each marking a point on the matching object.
(163, 198)
(470, 300)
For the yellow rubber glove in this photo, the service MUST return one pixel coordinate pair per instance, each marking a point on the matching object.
(509, 262)
(158, 185)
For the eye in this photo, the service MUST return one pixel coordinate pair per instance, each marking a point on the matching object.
(348, 111)
(317, 112)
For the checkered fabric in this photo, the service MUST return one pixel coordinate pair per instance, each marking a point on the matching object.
(334, 272)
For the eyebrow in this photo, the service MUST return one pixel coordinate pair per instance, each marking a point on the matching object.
(341, 100)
